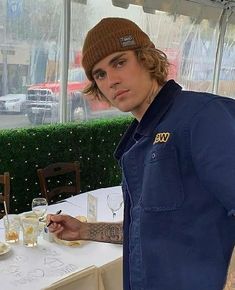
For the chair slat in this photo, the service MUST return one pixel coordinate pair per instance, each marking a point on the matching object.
(59, 169)
(5, 194)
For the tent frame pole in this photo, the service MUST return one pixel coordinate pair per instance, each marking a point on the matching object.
(65, 43)
(220, 47)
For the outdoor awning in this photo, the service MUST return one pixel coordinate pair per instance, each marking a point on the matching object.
(198, 9)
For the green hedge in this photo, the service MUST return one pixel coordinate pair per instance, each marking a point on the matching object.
(92, 143)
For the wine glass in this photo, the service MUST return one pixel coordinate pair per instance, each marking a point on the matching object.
(39, 207)
(114, 201)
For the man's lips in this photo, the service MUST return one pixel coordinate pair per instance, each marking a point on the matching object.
(119, 93)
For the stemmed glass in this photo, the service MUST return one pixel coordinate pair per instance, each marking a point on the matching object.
(39, 207)
(114, 201)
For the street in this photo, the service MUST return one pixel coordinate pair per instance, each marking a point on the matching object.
(8, 121)
(12, 121)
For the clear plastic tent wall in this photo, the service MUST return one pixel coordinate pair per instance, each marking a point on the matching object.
(34, 59)
(198, 37)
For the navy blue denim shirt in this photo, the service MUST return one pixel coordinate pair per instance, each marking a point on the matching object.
(178, 168)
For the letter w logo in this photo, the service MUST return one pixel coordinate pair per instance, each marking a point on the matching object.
(161, 137)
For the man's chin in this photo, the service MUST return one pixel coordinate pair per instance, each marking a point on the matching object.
(124, 109)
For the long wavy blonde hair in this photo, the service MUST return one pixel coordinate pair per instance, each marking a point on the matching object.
(153, 59)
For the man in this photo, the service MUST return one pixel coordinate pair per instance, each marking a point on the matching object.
(178, 164)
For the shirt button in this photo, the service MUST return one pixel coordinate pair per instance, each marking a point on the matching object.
(153, 155)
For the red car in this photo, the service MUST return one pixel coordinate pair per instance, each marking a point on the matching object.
(42, 104)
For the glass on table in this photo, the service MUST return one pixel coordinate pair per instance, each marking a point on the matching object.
(12, 228)
(30, 215)
(39, 207)
(114, 201)
(30, 231)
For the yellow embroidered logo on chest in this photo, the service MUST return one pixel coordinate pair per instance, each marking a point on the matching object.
(161, 137)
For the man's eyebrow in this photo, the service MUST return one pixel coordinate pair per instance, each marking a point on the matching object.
(115, 58)
(96, 71)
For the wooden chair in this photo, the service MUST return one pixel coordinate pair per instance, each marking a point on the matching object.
(55, 180)
(5, 193)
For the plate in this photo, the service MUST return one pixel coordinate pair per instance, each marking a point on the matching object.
(4, 248)
(67, 243)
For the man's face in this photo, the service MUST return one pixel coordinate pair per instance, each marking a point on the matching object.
(125, 82)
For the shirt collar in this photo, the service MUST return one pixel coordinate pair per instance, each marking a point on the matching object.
(151, 118)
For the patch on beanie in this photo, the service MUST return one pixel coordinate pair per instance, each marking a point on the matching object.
(127, 40)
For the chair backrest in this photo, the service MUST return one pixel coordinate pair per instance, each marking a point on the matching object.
(59, 170)
(5, 193)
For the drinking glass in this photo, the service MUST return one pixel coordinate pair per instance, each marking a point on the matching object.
(30, 231)
(12, 228)
(114, 201)
(39, 207)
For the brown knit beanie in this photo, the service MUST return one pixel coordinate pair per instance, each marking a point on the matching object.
(108, 36)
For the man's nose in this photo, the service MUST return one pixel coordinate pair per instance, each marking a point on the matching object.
(113, 79)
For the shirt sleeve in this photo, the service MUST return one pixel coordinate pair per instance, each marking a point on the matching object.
(213, 149)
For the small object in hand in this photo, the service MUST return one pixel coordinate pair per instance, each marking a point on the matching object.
(58, 212)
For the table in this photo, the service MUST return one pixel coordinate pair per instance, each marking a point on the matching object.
(89, 266)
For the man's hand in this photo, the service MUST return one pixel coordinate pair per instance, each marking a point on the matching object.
(68, 228)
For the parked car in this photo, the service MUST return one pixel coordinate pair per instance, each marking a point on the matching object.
(42, 104)
(13, 103)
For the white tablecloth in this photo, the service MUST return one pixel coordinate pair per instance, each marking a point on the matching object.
(37, 268)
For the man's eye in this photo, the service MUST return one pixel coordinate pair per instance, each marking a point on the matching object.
(99, 75)
(120, 63)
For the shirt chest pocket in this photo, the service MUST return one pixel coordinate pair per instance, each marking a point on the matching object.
(162, 184)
